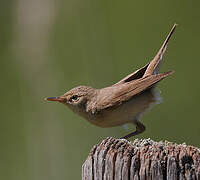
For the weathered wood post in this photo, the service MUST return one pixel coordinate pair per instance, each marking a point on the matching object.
(117, 159)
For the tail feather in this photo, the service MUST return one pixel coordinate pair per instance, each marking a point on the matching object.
(154, 65)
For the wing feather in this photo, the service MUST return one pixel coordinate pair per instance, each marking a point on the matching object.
(153, 66)
(115, 95)
(133, 76)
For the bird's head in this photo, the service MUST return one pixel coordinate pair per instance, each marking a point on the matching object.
(76, 98)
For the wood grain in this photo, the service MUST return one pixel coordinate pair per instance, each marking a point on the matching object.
(118, 159)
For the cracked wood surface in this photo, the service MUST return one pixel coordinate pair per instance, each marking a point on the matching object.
(119, 159)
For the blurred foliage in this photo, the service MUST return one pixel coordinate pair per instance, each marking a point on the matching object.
(48, 47)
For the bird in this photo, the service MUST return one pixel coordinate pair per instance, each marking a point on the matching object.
(123, 102)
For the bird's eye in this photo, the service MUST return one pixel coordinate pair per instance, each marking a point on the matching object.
(74, 98)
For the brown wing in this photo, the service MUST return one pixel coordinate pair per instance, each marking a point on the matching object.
(115, 95)
(153, 66)
(133, 76)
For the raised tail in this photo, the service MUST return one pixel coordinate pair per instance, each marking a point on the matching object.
(154, 65)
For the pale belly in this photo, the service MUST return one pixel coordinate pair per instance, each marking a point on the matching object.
(127, 112)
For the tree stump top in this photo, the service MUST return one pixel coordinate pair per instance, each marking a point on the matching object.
(115, 159)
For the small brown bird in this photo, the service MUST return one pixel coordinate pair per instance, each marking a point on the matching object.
(123, 102)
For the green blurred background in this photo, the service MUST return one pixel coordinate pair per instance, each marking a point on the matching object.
(48, 47)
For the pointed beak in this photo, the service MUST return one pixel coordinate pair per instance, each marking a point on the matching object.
(58, 99)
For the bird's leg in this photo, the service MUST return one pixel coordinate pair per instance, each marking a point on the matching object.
(139, 129)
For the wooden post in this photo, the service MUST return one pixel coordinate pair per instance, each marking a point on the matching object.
(118, 159)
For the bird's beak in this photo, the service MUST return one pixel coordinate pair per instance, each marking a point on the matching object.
(58, 99)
